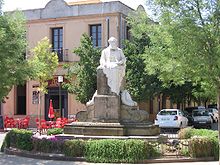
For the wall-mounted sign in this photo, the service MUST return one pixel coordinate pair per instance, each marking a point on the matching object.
(35, 97)
(55, 81)
(60, 79)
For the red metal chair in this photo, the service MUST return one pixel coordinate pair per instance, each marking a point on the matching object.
(10, 123)
(42, 125)
(25, 123)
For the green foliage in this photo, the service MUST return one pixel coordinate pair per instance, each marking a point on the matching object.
(19, 138)
(82, 75)
(51, 145)
(54, 131)
(140, 84)
(43, 64)
(185, 151)
(74, 148)
(117, 151)
(185, 45)
(187, 133)
(200, 140)
(14, 69)
(203, 147)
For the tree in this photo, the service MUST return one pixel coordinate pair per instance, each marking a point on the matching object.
(43, 63)
(186, 45)
(82, 75)
(13, 65)
(141, 85)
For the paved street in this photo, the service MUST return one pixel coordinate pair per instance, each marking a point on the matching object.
(12, 160)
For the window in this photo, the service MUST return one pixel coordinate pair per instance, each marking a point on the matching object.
(96, 34)
(128, 33)
(57, 42)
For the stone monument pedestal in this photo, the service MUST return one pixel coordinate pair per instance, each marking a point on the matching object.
(106, 109)
(111, 129)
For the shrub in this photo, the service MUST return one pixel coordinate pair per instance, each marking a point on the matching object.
(54, 131)
(74, 148)
(120, 151)
(202, 147)
(51, 145)
(208, 138)
(152, 150)
(20, 139)
(215, 148)
(187, 133)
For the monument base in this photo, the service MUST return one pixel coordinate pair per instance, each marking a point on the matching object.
(111, 129)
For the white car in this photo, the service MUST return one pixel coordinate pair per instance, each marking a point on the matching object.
(214, 113)
(171, 118)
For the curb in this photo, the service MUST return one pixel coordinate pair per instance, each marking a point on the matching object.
(43, 156)
(178, 160)
(61, 157)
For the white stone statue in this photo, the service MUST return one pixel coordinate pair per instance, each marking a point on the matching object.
(112, 62)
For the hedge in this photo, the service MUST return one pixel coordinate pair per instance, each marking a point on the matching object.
(74, 148)
(118, 151)
(18, 138)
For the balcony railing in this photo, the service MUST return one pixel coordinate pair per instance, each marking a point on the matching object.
(63, 54)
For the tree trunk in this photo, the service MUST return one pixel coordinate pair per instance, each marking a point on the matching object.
(40, 111)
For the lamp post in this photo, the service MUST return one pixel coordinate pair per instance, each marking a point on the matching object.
(60, 80)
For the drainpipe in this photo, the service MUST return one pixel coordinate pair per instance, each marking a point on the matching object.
(108, 30)
(120, 31)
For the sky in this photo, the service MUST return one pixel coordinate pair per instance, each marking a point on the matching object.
(10, 5)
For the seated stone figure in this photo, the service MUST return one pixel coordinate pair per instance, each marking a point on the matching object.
(112, 62)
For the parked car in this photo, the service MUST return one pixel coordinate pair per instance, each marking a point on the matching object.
(171, 118)
(214, 113)
(202, 118)
(189, 117)
(190, 109)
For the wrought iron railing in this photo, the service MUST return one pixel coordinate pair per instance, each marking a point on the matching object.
(63, 54)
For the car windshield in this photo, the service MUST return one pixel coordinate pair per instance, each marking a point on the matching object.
(168, 113)
(200, 113)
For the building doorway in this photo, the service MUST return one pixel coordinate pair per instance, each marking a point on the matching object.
(53, 94)
(21, 100)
